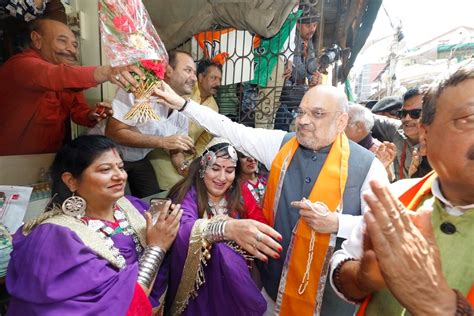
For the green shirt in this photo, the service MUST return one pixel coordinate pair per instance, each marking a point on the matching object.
(457, 258)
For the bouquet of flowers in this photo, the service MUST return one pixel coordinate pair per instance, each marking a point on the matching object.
(130, 37)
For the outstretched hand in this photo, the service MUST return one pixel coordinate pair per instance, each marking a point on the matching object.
(256, 238)
(406, 252)
(165, 95)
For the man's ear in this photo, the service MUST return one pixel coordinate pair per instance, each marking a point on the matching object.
(342, 122)
(69, 181)
(36, 40)
(169, 71)
(422, 132)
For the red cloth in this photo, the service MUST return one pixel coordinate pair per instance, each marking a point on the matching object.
(36, 99)
(252, 209)
(140, 305)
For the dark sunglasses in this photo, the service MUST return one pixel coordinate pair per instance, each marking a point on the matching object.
(414, 114)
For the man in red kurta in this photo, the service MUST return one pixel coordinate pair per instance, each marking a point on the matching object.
(41, 88)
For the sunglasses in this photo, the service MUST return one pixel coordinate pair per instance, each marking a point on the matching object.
(414, 114)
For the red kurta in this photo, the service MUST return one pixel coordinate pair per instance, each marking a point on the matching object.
(36, 99)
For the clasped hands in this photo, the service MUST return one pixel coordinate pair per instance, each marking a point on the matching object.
(400, 252)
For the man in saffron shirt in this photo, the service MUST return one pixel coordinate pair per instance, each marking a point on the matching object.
(41, 88)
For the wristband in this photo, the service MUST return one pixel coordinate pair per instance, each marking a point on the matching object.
(184, 105)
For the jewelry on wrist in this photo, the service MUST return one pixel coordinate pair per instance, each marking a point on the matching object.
(149, 264)
(336, 278)
(463, 308)
(215, 229)
(186, 101)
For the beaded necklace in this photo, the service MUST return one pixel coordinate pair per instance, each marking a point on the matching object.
(257, 190)
(106, 232)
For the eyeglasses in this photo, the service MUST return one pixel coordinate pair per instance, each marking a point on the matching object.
(414, 114)
(317, 114)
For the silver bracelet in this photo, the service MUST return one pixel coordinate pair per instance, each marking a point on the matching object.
(149, 264)
(215, 230)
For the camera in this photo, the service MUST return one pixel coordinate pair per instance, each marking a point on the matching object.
(330, 55)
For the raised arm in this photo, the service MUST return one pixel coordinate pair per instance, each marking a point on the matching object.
(261, 143)
(39, 74)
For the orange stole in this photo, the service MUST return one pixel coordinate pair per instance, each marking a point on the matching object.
(411, 199)
(328, 189)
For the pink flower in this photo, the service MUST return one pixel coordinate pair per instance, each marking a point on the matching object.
(124, 24)
(156, 66)
(110, 4)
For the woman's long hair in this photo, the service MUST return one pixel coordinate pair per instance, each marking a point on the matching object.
(233, 194)
(75, 157)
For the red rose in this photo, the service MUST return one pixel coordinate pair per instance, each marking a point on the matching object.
(156, 66)
(124, 24)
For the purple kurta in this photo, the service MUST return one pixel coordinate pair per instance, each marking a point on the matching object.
(229, 288)
(52, 272)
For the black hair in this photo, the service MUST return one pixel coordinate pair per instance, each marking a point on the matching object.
(309, 12)
(204, 65)
(430, 101)
(413, 92)
(172, 56)
(75, 157)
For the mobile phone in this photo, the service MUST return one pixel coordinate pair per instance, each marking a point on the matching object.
(158, 205)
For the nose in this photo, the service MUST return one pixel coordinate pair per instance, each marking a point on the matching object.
(193, 77)
(119, 174)
(303, 119)
(221, 175)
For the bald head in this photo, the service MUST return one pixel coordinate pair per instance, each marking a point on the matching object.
(334, 98)
(322, 116)
(54, 41)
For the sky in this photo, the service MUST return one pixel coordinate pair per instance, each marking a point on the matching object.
(423, 20)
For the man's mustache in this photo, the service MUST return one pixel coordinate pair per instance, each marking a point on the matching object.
(69, 56)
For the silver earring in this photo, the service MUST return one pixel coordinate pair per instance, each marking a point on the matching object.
(74, 206)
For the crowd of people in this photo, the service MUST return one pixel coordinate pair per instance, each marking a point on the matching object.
(257, 221)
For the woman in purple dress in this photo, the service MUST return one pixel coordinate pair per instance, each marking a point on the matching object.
(209, 272)
(81, 256)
